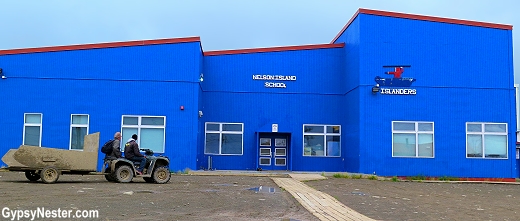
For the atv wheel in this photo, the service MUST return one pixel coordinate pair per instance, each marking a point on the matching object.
(49, 175)
(32, 175)
(161, 175)
(124, 174)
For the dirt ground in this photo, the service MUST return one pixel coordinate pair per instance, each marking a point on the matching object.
(185, 197)
(387, 200)
(192, 197)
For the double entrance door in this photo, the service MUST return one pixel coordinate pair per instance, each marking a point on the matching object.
(273, 151)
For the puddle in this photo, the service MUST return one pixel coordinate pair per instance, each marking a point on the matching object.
(358, 193)
(262, 189)
(223, 184)
(144, 191)
(211, 191)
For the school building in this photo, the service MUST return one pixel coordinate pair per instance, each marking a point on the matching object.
(392, 94)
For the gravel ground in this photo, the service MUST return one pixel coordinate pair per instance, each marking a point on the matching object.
(185, 197)
(387, 200)
(204, 197)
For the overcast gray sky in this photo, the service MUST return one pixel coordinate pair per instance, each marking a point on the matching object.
(221, 24)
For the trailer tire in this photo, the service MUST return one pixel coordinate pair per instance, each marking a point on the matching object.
(31, 175)
(124, 174)
(49, 175)
(161, 175)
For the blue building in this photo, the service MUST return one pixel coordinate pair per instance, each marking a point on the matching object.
(392, 94)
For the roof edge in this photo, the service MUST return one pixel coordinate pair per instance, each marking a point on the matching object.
(100, 45)
(273, 49)
(346, 26)
(422, 18)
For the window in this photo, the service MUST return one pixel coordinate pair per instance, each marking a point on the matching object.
(150, 131)
(224, 138)
(412, 139)
(321, 140)
(32, 129)
(486, 140)
(78, 130)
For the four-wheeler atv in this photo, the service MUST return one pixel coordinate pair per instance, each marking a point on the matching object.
(123, 170)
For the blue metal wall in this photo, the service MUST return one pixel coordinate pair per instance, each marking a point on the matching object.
(232, 96)
(463, 75)
(105, 84)
(352, 126)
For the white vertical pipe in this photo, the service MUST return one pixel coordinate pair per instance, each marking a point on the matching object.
(517, 113)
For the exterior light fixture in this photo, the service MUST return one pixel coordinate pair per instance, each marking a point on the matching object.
(201, 77)
(375, 89)
(2, 74)
(200, 114)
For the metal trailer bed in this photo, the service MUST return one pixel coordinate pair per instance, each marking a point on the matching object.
(48, 163)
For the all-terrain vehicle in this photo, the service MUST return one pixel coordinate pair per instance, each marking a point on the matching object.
(123, 170)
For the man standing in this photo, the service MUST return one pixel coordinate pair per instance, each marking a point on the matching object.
(116, 150)
(132, 153)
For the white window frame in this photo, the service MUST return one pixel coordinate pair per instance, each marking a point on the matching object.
(139, 126)
(482, 133)
(264, 158)
(33, 125)
(324, 134)
(284, 161)
(416, 132)
(263, 150)
(284, 144)
(262, 143)
(276, 154)
(221, 132)
(72, 125)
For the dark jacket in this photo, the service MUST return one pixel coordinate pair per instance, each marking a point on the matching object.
(116, 150)
(132, 149)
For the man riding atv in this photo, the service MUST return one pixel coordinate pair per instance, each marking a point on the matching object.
(153, 169)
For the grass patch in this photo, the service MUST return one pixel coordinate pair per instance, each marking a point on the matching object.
(372, 177)
(339, 175)
(418, 177)
(183, 172)
(447, 178)
(359, 176)
(355, 176)
(395, 179)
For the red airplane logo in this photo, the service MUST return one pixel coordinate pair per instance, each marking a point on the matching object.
(398, 70)
(397, 73)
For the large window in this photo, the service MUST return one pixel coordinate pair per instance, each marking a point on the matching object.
(224, 138)
(486, 140)
(78, 130)
(32, 129)
(322, 140)
(412, 139)
(149, 129)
